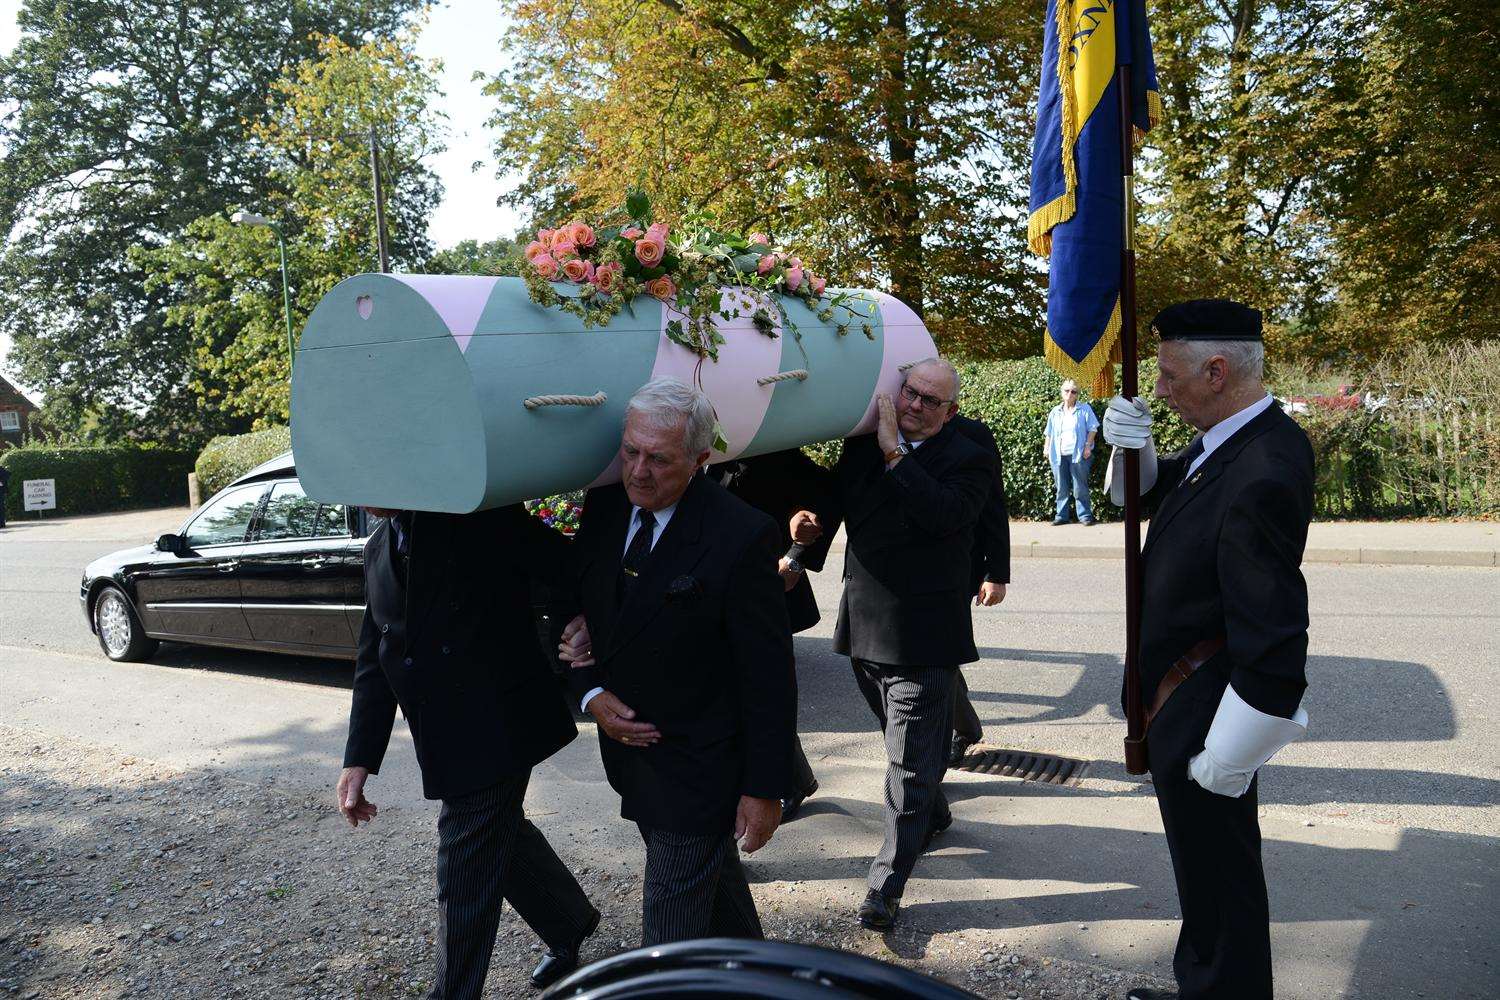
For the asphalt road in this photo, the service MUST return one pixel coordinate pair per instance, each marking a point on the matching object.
(1381, 827)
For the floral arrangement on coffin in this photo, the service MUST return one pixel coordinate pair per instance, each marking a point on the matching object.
(687, 270)
(560, 512)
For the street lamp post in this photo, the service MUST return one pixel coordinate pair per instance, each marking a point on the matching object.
(243, 218)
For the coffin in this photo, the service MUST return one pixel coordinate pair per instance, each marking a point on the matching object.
(437, 392)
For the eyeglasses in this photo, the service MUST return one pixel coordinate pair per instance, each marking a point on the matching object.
(1070, 392)
(911, 396)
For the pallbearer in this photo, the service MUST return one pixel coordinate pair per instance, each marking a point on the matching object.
(1224, 629)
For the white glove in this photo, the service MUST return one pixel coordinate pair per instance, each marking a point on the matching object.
(1241, 739)
(1127, 423)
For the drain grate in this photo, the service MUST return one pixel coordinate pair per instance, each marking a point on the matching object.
(1027, 766)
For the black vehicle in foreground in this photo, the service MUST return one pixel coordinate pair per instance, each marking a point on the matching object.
(260, 566)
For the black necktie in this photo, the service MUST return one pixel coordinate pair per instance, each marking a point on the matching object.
(1190, 454)
(637, 553)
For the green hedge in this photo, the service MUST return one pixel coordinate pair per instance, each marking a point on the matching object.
(94, 480)
(228, 457)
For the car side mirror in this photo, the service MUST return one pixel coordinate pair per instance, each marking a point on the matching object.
(171, 543)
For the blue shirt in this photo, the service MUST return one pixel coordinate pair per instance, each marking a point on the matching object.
(1084, 422)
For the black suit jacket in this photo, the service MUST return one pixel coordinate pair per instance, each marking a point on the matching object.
(700, 648)
(991, 557)
(1223, 556)
(910, 536)
(778, 485)
(453, 642)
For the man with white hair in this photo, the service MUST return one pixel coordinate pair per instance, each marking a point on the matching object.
(692, 685)
(1223, 646)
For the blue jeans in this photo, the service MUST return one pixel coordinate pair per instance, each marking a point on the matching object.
(1072, 475)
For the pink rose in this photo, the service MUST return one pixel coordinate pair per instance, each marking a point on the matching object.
(760, 238)
(582, 234)
(544, 237)
(661, 287)
(793, 278)
(632, 232)
(794, 262)
(765, 264)
(817, 284)
(578, 270)
(546, 265)
(562, 245)
(657, 230)
(607, 277)
(535, 249)
(650, 251)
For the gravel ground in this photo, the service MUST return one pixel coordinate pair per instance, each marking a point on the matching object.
(123, 877)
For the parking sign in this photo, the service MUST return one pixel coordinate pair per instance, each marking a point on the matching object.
(39, 494)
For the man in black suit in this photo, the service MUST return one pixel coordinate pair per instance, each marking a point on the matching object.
(4, 492)
(1223, 646)
(693, 688)
(448, 635)
(782, 484)
(909, 496)
(989, 574)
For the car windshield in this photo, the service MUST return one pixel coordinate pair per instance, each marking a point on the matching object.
(226, 518)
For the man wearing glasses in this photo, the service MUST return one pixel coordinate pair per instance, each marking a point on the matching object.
(909, 496)
(1069, 446)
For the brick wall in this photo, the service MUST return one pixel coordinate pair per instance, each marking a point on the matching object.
(13, 428)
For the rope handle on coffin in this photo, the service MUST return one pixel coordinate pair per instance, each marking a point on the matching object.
(532, 402)
(797, 374)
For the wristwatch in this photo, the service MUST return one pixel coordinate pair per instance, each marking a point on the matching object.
(901, 449)
(793, 564)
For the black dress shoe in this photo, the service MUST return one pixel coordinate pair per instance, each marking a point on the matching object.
(790, 807)
(1088, 522)
(936, 828)
(1059, 520)
(957, 749)
(878, 912)
(1147, 993)
(558, 962)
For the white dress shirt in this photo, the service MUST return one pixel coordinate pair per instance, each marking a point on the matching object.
(662, 517)
(1224, 429)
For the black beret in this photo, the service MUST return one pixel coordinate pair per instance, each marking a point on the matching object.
(1207, 319)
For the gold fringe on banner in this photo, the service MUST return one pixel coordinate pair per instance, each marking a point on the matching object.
(1087, 372)
(1059, 209)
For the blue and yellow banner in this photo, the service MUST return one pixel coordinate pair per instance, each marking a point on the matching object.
(1077, 198)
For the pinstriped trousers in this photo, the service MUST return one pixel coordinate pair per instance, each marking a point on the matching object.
(694, 887)
(489, 852)
(915, 708)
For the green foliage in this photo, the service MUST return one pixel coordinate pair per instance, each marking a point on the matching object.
(123, 123)
(885, 141)
(225, 459)
(223, 281)
(94, 480)
(497, 257)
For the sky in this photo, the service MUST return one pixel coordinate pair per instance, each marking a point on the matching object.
(465, 35)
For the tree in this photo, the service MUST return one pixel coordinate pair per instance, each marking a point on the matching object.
(122, 121)
(887, 138)
(223, 281)
(497, 256)
(1414, 195)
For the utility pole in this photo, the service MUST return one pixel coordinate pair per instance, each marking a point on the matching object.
(385, 260)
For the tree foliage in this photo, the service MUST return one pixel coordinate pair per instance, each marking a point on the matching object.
(223, 281)
(122, 122)
(882, 137)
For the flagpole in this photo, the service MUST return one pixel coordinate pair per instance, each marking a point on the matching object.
(1135, 711)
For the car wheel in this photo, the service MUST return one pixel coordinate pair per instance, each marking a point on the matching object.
(120, 633)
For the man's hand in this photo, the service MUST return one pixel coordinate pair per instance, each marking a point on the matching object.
(614, 717)
(755, 821)
(576, 648)
(1127, 423)
(1088, 452)
(351, 793)
(805, 527)
(887, 434)
(789, 576)
(990, 594)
